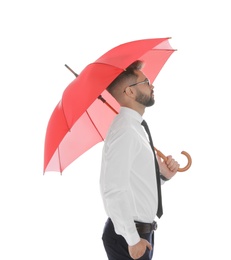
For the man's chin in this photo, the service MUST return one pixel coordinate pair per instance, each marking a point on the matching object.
(150, 103)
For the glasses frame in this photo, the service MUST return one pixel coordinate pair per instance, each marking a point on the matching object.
(141, 82)
(138, 83)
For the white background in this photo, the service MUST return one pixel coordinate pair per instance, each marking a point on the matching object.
(61, 217)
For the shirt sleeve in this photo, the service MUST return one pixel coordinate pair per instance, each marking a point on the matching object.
(120, 153)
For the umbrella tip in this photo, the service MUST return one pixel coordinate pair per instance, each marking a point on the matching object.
(71, 70)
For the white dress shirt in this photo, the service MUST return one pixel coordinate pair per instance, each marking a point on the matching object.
(128, 179)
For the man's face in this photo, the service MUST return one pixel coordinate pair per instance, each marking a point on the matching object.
(144, 91)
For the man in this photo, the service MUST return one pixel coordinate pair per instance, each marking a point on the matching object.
(128, 179)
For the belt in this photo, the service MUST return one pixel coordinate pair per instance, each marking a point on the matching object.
(144, 228)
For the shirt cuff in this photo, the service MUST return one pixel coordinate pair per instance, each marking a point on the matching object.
(132, 239)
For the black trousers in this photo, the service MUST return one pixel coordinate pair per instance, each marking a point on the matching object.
(116, 246)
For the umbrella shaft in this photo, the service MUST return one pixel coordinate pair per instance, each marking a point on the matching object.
(106, 103)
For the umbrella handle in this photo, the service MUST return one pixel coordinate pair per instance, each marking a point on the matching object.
(184, 153)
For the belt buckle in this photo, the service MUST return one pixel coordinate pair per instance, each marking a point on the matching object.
(154, 225)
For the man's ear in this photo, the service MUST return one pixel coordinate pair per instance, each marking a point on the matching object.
(129, 91)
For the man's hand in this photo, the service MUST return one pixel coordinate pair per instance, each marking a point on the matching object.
(168, 168)
(139, 249)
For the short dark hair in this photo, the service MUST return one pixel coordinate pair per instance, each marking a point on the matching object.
(127, 73)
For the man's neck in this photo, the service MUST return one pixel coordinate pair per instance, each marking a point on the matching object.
(140, 109)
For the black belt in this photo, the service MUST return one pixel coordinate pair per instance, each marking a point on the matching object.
(144, 228)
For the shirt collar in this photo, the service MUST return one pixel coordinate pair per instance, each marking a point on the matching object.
(132, 113)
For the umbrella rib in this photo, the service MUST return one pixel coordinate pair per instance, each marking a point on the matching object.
(60, 166)
(94, 125)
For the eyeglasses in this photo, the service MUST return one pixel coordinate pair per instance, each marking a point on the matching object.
(146, 81)
(142, 82)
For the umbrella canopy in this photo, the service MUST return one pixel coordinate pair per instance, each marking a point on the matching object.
(80, 120)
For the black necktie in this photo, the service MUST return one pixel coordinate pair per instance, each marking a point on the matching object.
(160, 209)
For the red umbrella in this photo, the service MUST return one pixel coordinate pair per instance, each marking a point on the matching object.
(82, 117)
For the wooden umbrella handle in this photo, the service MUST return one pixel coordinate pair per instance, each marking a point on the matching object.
(184, 153)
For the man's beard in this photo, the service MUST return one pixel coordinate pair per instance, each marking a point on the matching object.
(145, 100)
